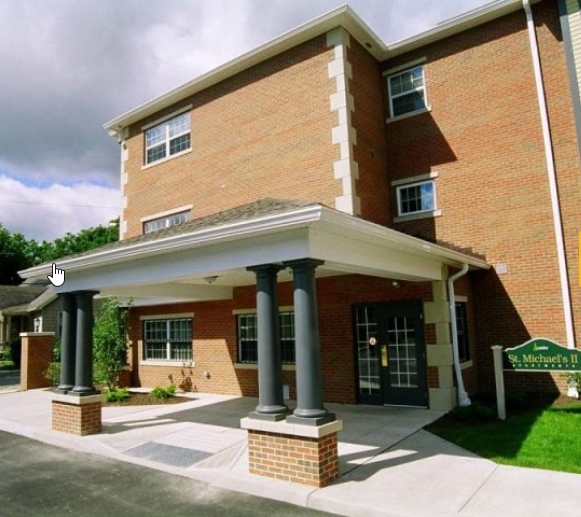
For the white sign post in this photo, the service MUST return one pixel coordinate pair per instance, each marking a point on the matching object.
(499, 378)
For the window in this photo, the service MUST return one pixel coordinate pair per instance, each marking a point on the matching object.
(168, 138)
(167, 339)
(416, 197)
(166, 221)
(248, 338)
(407, 91)
(462, 332)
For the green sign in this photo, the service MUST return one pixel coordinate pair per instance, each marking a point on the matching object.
(543, 355)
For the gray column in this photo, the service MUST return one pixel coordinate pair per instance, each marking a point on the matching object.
(270, 393)
(68, 342)
(84, 346)
(310, 409)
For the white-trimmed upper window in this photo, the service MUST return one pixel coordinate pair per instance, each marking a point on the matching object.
(407, 92)
(166, 221)
(168, 138)
(416, 197)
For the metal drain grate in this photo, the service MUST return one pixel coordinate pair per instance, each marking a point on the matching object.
(168, 454)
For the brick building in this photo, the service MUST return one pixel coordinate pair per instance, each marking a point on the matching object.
(349, 221)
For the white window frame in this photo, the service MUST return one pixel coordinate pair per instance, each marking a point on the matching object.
(422, 89)
(432, 210)
(168, 360)
(165, 138)
(158, 223)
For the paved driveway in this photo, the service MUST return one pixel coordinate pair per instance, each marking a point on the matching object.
(44, 481)
(9, 380)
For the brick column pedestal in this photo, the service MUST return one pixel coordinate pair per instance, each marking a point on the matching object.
(297, 453)
(36, 357)
(75, 414)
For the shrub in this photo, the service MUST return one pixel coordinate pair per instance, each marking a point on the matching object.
(516, 400)
(109, 343)
(53, 372)
(117, 395)
(163, 393)
(475, 412)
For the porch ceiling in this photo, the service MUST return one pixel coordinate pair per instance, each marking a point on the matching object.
(204, 261)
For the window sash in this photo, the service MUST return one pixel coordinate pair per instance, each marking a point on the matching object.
(248, 338)
(165, 222)
(407, 91)
(416, 197)
(168, 138)
(167, 339)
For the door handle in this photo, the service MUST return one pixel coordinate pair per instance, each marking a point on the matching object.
(384, 358)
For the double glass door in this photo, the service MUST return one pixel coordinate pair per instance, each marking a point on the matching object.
(391, 362)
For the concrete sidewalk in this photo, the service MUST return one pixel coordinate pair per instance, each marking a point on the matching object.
(389, 466)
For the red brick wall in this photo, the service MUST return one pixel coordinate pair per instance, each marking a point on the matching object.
(78, 419)
(36, 356)
(483, 137)
(265, 132)
(368, 119)
(307, 461)
(215, 340)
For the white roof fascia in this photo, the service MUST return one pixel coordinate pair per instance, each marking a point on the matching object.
(342, 16)
(318, 215)
(463, 22)
(301, 217)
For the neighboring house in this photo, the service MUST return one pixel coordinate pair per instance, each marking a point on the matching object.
(17, 303)
(394, 203)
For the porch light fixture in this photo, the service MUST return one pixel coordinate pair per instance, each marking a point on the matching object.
(210, 279)
(396, 284)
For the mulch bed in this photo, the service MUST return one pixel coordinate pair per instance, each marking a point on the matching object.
(144, 399)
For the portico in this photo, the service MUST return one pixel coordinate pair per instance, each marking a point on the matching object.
(260, 244)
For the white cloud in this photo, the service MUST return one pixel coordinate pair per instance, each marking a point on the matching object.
(70, 66)
(51, 212)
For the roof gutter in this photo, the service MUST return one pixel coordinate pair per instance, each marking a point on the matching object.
(550, 163)
(343, 16)
(297, 219)
(478, 16)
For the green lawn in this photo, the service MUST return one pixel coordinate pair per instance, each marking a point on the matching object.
(546, 437)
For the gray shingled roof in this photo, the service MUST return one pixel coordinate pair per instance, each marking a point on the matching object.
(12, 295)
(261, 208)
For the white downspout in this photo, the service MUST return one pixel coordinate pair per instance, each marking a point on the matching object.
(558, 225)
(463, 399)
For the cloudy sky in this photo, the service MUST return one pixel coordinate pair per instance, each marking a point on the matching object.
(69, 66)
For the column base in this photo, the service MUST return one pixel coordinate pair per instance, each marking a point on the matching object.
(268, 417)
(306, 455)
(312, 421)
(75, 414)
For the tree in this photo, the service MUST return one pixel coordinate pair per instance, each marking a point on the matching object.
(109, 343)
(13, 256)
(17, 252)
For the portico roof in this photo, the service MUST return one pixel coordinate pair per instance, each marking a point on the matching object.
(204, 259)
